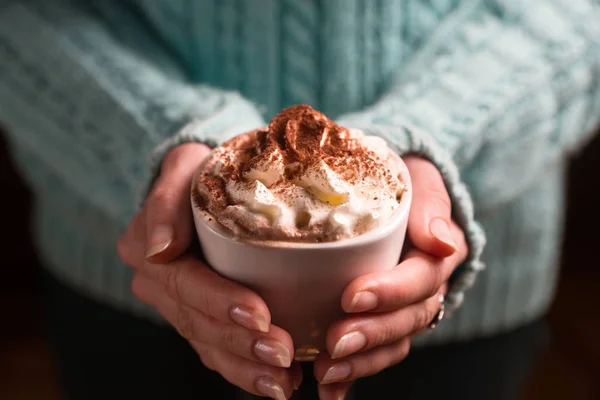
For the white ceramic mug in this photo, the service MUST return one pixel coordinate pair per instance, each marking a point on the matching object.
(302, 283)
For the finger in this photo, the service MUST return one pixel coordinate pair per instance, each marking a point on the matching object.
(334, 391)
(275, 349)
(189, 281)
(296, 373)
(255, 378)
(168, 209)
(362, 332)
(415, 279)
(430, 214)
(131, 244)
(328, 370)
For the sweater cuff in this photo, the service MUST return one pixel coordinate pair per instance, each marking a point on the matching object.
(405, 138)
(235, 116)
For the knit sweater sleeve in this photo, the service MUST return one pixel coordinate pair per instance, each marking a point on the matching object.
(91, 106)
(497, 94)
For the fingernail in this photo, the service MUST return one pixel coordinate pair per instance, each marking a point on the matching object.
(249, 319)
(161, 238)
(348, 344)
(340, 396)
(272, 352)
(363, 301)
(297, 382)
(440, 229)
(267, 386)
(337, 372)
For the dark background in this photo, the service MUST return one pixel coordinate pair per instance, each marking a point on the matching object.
(569, 368)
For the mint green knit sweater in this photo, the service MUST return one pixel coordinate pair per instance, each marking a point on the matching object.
(496, 93)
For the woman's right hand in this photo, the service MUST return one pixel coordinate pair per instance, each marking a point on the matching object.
(226, 323)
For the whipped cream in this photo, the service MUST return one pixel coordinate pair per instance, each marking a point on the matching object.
(302, 178)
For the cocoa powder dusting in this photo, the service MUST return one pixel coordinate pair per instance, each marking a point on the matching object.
(306, 136)
(214, 197)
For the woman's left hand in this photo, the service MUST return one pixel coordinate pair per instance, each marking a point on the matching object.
(392, 306)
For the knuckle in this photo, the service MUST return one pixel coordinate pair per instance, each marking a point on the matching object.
(435, 280)
(174, 157)
(206, 357)
(400, 297)
(385, 333)
(374, 365)
(404, 349)
(162, 194)
(230, 339)
(431, 310)
(185, 322)
(423, 317)
(439, 197)
(171, 280)
(175, 277)
(137, 288)
(426, 313)
(208, 304)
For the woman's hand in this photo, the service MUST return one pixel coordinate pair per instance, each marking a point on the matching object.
(392, 306)
(227, 324)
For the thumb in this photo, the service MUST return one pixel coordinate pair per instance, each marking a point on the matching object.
(169, 222)
(430, 215)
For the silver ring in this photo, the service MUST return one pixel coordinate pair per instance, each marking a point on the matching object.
(440, 314)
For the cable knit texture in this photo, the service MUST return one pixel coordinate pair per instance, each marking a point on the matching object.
(496, 93)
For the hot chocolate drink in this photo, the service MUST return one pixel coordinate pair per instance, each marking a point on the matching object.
(296, 210)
